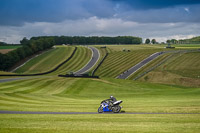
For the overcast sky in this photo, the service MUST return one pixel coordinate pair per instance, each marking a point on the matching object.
(160, 19)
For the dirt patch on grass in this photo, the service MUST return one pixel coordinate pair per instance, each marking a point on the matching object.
(5, 51)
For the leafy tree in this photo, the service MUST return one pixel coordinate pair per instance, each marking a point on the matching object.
(153, 41)
(168, 41)
(174, 41)
(147, 41)
(2, 61)
(24, 41)
(21, 53)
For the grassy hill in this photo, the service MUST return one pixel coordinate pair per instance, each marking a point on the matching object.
(181, 69)
(52, 93)
(79, 60)
(193, 40)
(46, 61)
(149, 66)
(84, 95)
(120, 60)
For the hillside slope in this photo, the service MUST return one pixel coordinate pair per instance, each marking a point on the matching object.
(118, 62)
(54, 93)
(46, 61)
(79, 60)
(181, 69)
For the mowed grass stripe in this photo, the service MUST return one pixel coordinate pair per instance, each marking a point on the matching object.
(85, 95)
(115, 59)
(119, 62)
(149, 66)
(57, 86)
(79, 60)
(12, 82)
(39, 87)
(47, 61)
(31, 86)
(65, 68)
(13, 99)
(17, 85)
(23, 97)
(185, 65)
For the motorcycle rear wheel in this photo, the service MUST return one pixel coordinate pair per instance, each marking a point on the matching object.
(116, 109)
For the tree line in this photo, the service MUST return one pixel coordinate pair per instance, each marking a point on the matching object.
(194, 40)
(36, 44)
(29, 47)
(82, 40)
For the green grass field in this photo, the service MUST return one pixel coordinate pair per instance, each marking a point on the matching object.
(180, 69)
(78, 61)
(108, 123)
(84, 95)
(46, 61)
(149, 66)
(10, 47)
(186, 46)
(55, 94)
(118, 62)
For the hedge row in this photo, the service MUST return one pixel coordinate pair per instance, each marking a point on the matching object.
(82, 40)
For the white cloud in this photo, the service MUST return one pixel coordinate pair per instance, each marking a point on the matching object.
(101, 27)
(187, 9)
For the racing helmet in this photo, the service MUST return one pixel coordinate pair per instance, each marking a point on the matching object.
(111, 96)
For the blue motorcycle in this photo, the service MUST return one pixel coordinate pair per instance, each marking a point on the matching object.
(108, 106)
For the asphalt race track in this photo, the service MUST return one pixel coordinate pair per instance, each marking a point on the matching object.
(132, 70)
(71, 113)
(91, 63)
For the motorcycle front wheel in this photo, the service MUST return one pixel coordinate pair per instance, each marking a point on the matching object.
(100, 110)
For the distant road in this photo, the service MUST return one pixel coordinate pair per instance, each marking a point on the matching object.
(132, 70)
(91, 63)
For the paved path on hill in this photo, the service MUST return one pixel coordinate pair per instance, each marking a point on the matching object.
(27, 112)
(135, 68)
(132, 70)
(91, 63)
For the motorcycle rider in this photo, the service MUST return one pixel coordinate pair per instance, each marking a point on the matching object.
(110, 105)
(111, 100)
